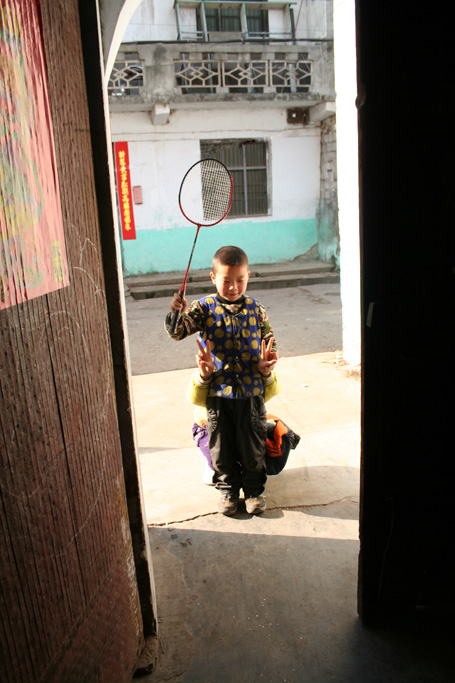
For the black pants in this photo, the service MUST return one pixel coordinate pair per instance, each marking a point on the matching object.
(237, 434)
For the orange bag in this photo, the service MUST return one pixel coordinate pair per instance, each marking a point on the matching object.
(280, 440)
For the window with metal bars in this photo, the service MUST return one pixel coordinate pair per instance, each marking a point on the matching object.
(247, 163)
(220, 19)
(257, 22)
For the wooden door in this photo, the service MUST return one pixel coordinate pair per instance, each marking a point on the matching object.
(68, 599)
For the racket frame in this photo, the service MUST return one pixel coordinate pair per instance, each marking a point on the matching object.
(198, 225)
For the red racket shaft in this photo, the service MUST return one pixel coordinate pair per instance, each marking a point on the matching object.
(176, 314)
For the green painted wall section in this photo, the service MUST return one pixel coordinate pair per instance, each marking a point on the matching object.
(162, 251)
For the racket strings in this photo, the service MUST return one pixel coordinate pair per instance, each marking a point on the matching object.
(205, 194)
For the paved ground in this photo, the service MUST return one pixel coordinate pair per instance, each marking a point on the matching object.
(318, 400)
(305, 320)
(272, 597)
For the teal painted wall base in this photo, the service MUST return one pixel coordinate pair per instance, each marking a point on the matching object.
(163, 251)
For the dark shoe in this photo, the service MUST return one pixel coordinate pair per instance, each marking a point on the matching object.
(254, 506)
(227, 505)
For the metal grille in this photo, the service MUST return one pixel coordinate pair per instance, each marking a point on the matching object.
(238, 75)
(247, 163)
(127, 78)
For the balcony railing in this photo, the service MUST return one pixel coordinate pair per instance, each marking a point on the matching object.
(127, 78)
(150, 74)
(211, 76)
(246, 20)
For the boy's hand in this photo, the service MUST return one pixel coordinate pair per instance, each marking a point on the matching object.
(268, 358)
(205, 361)
(178, 303)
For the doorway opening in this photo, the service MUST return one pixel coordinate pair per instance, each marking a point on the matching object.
(317, 380)
(313, 312)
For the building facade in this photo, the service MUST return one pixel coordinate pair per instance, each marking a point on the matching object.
(249, 83)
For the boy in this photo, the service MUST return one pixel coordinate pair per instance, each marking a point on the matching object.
(237, 355)
(197, 393)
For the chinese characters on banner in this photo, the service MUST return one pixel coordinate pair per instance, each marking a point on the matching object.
(32, 248)
(125, 199)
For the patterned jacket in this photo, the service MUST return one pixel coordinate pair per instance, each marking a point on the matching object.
(234, 332)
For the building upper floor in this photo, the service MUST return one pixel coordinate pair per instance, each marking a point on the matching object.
(184, 53)
(205, 20)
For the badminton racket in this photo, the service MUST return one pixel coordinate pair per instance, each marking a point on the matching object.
(205, 198)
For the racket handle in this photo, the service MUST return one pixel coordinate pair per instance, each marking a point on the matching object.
(174, 321)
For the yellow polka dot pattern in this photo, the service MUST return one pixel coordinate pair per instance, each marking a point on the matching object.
(235, 342)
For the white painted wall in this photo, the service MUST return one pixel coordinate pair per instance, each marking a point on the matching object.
(295, 173)
(160, 156)
(347, 163)
(313, 19)
(152, 21)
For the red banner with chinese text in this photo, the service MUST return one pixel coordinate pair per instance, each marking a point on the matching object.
(32, 248)
(125, 197)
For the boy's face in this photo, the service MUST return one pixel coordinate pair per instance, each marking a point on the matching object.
(230, 281)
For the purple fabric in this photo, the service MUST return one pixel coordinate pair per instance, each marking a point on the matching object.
(201, 437)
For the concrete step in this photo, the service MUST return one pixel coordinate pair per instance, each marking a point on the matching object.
(269, 276)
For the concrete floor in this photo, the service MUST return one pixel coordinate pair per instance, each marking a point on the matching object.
(269, 597)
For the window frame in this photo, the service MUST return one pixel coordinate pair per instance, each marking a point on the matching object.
(215, 149)
(217, 20)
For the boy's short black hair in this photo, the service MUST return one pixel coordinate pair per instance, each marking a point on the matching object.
(229, 256)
